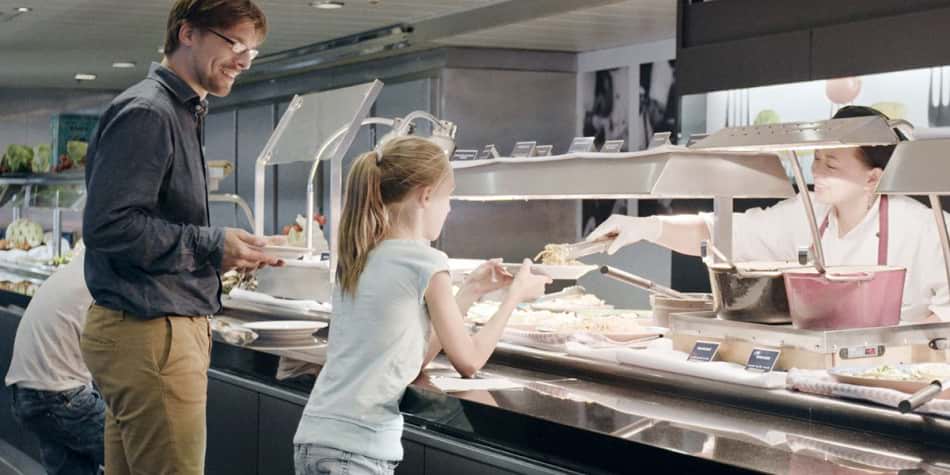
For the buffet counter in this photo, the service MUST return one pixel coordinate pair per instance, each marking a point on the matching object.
(590, 416)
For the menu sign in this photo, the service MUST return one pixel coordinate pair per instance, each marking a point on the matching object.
(581, 144)
(543, 150)
(762, 360)
(488, 153)
(465, 155)
(704, 351)
(523, 149)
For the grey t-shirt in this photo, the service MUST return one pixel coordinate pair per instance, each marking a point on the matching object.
(377, 344)
(46, 352)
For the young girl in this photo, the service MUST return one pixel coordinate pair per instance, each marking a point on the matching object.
(393, 289)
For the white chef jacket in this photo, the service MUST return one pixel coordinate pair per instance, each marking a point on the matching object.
(777, 232)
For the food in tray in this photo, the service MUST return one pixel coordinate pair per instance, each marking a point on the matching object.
(555, 254)
(24, 287)
(572, 314)
(611, 324)
(61, 260)
(23, 234)
(481, 312)
(233, 278)
(18, 158)
(922, 373)
(42, 158)
(571, 303)
(295, 232)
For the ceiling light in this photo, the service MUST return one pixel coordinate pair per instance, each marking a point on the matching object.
(326, 4)
(85, 77)
(23, 9)
(123, 65)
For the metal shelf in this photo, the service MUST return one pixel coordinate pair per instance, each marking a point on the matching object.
(657, 173)
(37, 272)
(72, 178)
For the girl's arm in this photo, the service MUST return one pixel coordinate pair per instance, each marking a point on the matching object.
(469, 353)
(464, 299)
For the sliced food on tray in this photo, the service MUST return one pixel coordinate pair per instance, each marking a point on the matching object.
(555, 254)
(922, 373)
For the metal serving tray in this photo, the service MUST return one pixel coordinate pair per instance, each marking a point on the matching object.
(705, 325)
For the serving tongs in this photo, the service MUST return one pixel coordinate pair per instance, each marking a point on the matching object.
(586, 248)
(923, 396)
(642, 283)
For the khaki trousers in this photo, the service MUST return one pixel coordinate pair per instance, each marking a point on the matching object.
(153, 375)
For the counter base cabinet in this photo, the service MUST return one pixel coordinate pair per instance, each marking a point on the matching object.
(10, 431)
(232, 430)
(413, 459)
(278, 422)
(251, 428)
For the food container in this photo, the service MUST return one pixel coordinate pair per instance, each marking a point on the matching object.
(845, 297)
(664, 306)
(751, 292)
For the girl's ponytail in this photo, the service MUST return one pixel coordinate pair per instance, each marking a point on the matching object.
(379, 181)
(364, 220)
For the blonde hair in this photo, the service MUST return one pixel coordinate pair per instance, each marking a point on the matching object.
(376, 182)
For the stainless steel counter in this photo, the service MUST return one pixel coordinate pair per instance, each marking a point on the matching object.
(626, 408)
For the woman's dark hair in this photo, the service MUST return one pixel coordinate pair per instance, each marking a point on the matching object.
(872, 156)
(221, 14)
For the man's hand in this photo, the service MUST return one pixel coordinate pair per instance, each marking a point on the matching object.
(244, 251)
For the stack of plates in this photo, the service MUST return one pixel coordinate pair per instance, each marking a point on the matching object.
(285, 333)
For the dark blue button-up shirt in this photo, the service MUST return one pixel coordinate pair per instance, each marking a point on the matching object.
(149, 248)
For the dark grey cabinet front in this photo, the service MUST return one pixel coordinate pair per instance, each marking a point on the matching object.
(232, 430)
(279, 421)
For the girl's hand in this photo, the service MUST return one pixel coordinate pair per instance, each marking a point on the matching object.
(527, 286)
(488, 277)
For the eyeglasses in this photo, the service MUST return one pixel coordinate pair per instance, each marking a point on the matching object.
(236, 46)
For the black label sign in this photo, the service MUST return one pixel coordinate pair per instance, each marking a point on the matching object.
(704, 351)
(762, 361)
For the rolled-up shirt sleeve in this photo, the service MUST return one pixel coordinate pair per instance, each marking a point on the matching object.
(764, 234)
(131, 160)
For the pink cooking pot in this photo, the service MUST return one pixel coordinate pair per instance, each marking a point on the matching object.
(845, 297)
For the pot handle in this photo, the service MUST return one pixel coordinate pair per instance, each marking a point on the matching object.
(858, 277)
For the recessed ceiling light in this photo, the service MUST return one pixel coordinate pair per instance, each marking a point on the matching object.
(123, 65)
(23, 9)
(85, 77)
(326, 4)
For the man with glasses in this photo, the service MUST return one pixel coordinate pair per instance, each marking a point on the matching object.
(153, 262)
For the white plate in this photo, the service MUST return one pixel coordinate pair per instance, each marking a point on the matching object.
(285, 252)
(286, 325)
(556, 272)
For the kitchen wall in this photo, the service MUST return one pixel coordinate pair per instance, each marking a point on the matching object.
(494, 96)
(645, 259)
(25, 113)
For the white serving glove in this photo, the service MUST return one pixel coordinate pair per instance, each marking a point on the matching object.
(628, 230)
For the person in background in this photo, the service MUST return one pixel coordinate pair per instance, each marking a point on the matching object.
(52, 391)
(854, 220)
(153, 262)
(393, 290)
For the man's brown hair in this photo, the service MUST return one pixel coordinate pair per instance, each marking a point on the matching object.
(218, 14)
